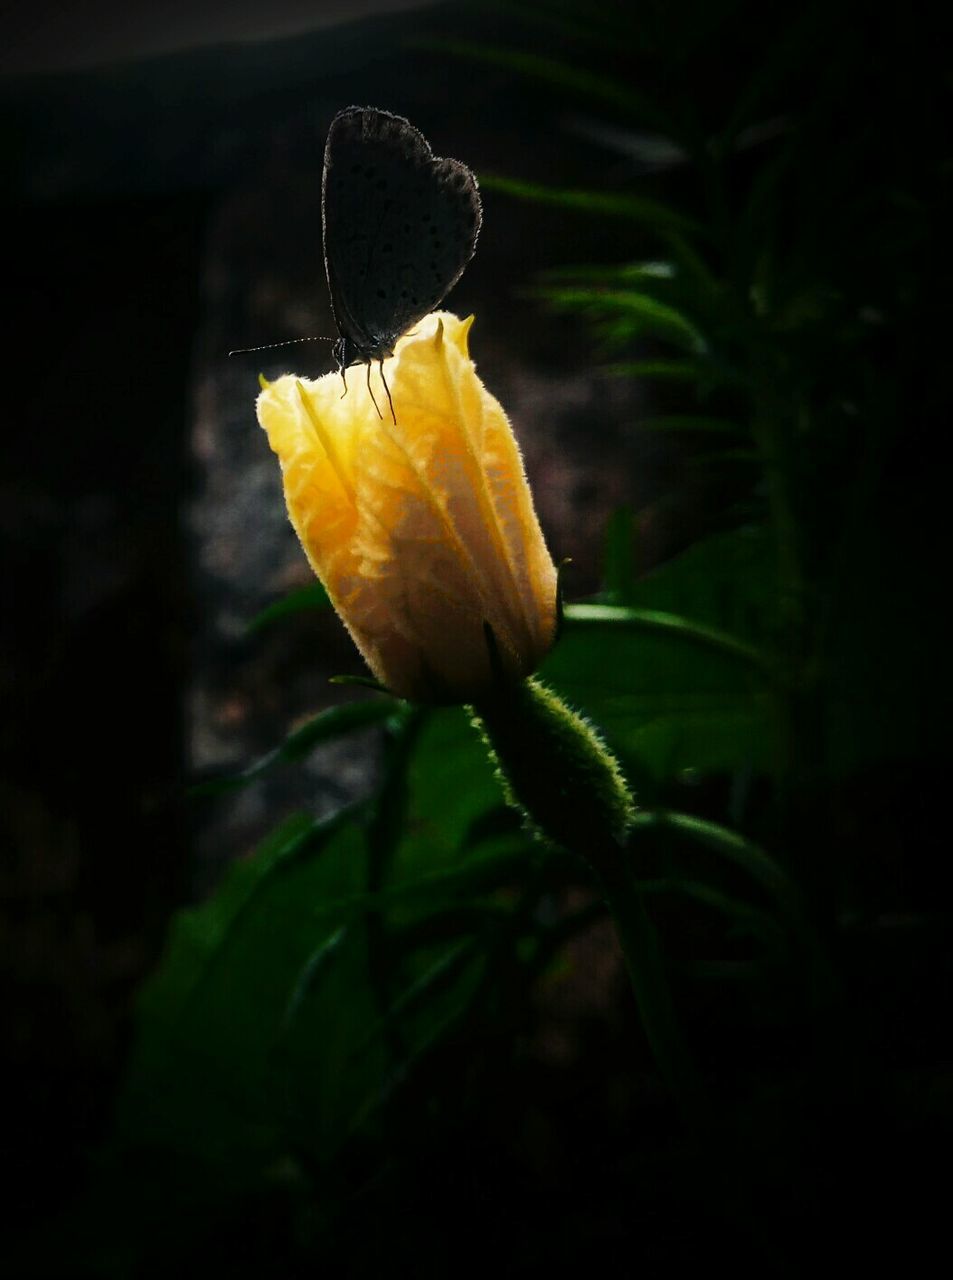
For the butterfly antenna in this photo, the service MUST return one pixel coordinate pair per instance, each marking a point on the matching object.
(270, 346)
(387, 389)
(370, 391)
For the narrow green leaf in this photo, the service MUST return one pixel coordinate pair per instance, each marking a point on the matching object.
(307, 598)
(360, 682)
(330, 724)
(612, 273)
(433, 980)
(687, 674)
(719, 456)
(671, 624)
(650, 213)
(748, 919)
(638, 313)
(618, 572)
(478, 875)
(595, 85)
(310, 973)
(451, 992)
(764, 870)
(693, 268)
(390, 805)
(685, 370)
(744, 853)
(198, 935)
(690, 422)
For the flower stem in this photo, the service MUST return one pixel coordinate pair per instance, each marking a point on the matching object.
(653, 997)
(556, 769)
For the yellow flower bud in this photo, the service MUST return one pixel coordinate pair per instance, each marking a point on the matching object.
(423, 531)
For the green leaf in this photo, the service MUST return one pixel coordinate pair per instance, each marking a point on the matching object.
(339, 1059)
(728, 581)
(770, 877)
(199, 1082)
(626, 315)
(675, 370)
(686, 279)
(665, 706)
(598, 86)
(747, 919)
(682, 678)
(650, 213)
(262, 1032)
(324, 727)
(706, 373)
(305, 599)
(451, 785)
(750, 857)
(613, 273)
(690, 422)
(618, 573)
(673, 625)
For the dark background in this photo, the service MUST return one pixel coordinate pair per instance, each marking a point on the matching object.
(161, 191)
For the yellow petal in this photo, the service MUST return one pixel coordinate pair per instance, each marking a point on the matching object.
(422, 531)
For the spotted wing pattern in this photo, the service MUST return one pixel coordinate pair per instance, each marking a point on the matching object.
(400, 225)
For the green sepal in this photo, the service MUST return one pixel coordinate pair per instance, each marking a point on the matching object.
(556, 770)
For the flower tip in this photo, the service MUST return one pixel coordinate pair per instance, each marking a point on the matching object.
(263, 382)
(438, 335)
(462, 335)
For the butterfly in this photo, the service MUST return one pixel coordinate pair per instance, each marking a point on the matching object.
(400, 226)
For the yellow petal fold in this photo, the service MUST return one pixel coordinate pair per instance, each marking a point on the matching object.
(422, 531)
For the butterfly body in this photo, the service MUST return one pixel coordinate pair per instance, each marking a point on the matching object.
(400, 226)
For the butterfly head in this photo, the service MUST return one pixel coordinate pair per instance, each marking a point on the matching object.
(347, 352)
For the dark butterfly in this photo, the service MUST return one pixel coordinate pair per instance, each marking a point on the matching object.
(400, 225)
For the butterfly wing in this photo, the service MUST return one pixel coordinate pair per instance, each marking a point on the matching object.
(400, 225)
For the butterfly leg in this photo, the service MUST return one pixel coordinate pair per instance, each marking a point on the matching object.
(387, 389)
(370, 391)
(344, 380)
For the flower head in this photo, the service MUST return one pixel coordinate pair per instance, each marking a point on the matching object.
(422, 531)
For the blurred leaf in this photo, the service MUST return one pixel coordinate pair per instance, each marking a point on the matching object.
(730, 845)
(707, 374)
(674, 626)
(612, 273)
(618, 574)
(690, 422)
(676, 370)
(324, 727)
(624, 315)
(597, 86)
(307, 598)
(558, 18)
(769, 875)
(666, 707)
(747, 919)
(261, 1033)
(200, 1078)
(687, 276)
(682, 678)
(886, 672)
(386, 827)
(339, 1060)
(450, 785)
(598, 203)
(727, 580)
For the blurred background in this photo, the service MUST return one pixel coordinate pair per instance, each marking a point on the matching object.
(711, 291)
